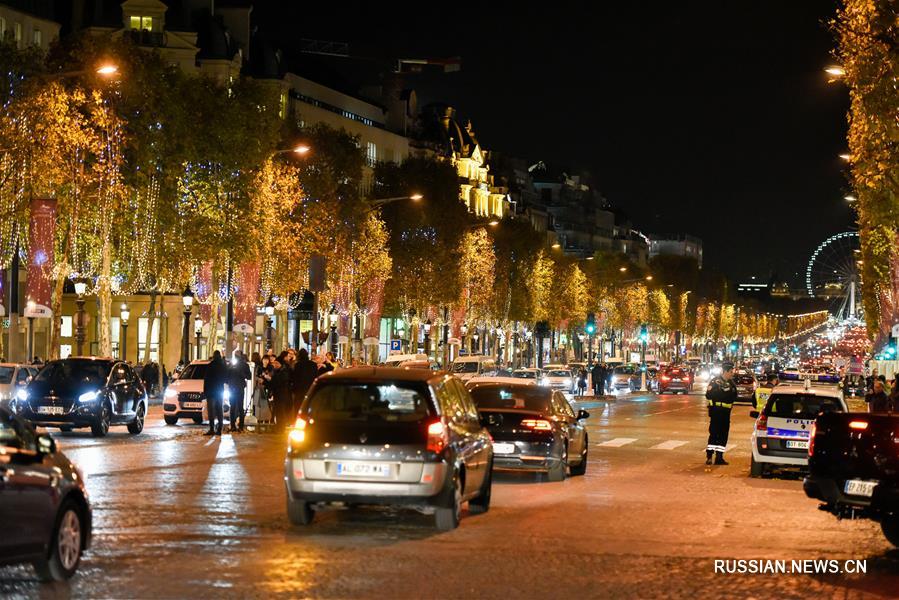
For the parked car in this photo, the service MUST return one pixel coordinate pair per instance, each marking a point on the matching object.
(45, 515)
(466, 367)
(625, 377)
(854, 468)
(673, 380)
(376, 435)
(184, 397)
(558, 377)
(14, 377)
(84, 392)
(533, 428)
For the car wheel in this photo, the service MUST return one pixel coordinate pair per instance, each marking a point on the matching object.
(890, 527)
(446, 518)
(298, 511)
(756, 469)
(65, 546)
(481, 504)
(170, 419)
(557, 471)
(198, 420)
(581, 467)
(137, 425)
(100, 427)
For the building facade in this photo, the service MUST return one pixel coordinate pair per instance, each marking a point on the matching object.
(28, 24)
(684, 245)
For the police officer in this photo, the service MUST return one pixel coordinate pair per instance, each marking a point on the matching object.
(763, 391)
(721, 395)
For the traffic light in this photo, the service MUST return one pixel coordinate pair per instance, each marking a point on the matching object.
(591, 324)
(890, 351)
(733, 347)
(773, 348)
(644, 333)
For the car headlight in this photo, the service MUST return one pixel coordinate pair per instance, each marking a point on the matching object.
(544, 381)
(88, 396)
(22, 395)
(170, 393)
(227, 394)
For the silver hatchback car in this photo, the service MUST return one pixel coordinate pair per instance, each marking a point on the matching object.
(388, 436)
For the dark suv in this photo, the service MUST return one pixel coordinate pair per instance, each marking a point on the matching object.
(85, 392)
(407, 437)
(45, 516)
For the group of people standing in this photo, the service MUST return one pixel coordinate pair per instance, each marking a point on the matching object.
(882, 396)
(283, 380)
(226, 381)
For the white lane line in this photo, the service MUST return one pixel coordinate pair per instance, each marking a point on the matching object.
(618, 442)
(729, 447)
(669, 445)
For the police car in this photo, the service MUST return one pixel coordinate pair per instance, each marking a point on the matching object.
(781, 434)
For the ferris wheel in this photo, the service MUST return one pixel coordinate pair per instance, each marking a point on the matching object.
(832, 273)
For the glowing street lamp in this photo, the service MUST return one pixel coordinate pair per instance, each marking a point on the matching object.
(107, 69)
(187, 299)
(332, 320)
(835, 71)
(124, 315)
(80, 316)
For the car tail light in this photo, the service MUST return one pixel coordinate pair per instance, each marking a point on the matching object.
(762, 423)
(297, 435)
(860, 425)
(811, 439)
(437, 437)
(665, 378)
(537, 424)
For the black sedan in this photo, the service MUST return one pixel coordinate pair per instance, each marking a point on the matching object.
(85, 392)
(45, 516)
(534, 428)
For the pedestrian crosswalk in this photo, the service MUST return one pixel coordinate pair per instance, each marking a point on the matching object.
(669, 445)
(618, 442)
(656, 444)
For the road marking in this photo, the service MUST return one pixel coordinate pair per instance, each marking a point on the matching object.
(729, 447)
(662, 412)
(669, 445)
(618, 442)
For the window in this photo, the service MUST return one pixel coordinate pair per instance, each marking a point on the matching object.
(16, 434)
(65, 327)
(531, 398)
(115, 329)
(65, 350)
(371, 154)
(37, 37)
(142, 325)
(2, 28)
(381, 405)
(142, 23)
(22, 377)
(17, 34)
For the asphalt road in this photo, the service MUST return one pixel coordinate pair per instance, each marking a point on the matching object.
(181, 515)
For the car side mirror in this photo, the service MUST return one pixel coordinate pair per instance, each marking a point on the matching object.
(46, 444)
(582, 414)
(754, 414)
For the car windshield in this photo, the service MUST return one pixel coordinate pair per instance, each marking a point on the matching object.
(675, 373)
(800, 406)
(197, 371)
(743, 379)
(525, 374)
(65, 374)
(6, 374)
(369, 402)
(465, 367)
(558, 373)
(520, 397)
(624, 370)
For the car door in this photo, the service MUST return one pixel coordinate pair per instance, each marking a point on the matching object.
(577, 428)
(136, 388)
(564, 415)
(480, 446)
(454, 414)
(26, 490)
(120, 389)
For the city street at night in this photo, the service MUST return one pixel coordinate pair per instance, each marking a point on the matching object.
(181, 515)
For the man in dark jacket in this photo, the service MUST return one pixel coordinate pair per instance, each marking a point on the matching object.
(239, 374)
(721, 394)
(214, 390)
(304, 373)
(877, 400)
(597, 373)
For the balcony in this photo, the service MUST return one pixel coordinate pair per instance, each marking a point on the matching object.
(144, 37)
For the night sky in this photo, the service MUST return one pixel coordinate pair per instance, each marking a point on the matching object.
(710, 118)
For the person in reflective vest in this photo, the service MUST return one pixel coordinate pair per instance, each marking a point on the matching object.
(764, 391)
(721, 395)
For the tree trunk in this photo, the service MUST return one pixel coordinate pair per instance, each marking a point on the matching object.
(151, 320)
(212, 339)
(104, 295)
(56, 320)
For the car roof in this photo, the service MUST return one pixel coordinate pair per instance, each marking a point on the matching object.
(385, 373)
(203, 361)
(798, 387)
(502, 381)
(473, 358)
(521, 369)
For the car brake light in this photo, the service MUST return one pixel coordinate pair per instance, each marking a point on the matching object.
(665, 378)
(297, 435)
(811, 439)
(437, 438)
(762, 423)
(537, 424)
(858, 424)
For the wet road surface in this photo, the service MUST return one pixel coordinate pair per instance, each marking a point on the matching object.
(178, 515)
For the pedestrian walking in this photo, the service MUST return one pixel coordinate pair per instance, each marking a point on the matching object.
(237, 382)
(304, 373)
(721, 395)
(214, 389)
(581, 381)
(597, 374)
(281, 392)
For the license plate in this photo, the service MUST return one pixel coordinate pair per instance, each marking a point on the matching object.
(857, 487)
(503, 448)
(675, 381)
(797, 444)
(192, 404)
(363, 470)
(50, 410)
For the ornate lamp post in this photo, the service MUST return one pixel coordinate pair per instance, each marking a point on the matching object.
(332, 319)
(427, 326)
(80, 317)
(464, 330)
(198, 332)
(187, 298)
(124, 314)
(269, 309)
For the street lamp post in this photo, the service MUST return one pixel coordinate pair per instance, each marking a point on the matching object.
(269, 309)
(332, 319)
(427, 326)
(187, 298)
(465, 336)
(198, 332)
(125, 314)
(80, 317)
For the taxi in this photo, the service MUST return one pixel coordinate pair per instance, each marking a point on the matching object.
(782, 428)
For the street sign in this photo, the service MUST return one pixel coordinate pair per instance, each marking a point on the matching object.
(396, 345)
